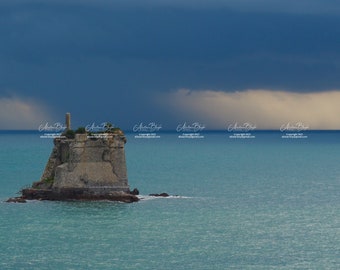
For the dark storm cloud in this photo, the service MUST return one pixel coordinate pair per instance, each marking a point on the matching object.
(280, 6)
(103, 58)
(64, 30)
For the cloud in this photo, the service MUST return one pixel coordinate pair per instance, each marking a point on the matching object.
(264, 108)
(20, 113)
(277, 6)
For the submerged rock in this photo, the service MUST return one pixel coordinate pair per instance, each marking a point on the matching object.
(159, 194)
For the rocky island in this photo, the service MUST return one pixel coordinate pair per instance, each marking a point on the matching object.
(84, 166)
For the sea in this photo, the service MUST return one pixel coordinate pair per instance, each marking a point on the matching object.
(261, 200)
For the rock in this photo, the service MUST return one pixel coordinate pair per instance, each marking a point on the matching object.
(16, 200)
(135, 191)
(36, 194)
(71, 194)
(159, 194)
(44, 184)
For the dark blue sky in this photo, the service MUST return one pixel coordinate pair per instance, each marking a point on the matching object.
(114, 61)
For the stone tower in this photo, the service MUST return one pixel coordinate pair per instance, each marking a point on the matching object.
(91, 164)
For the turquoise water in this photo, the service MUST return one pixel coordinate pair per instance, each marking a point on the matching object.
(263, 203)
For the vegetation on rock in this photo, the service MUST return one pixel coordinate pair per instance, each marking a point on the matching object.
(80, 130)
(70, 134)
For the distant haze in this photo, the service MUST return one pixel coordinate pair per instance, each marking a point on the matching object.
(264, 108)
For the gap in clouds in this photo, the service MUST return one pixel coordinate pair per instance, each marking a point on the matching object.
(264, 108)
(18, 113)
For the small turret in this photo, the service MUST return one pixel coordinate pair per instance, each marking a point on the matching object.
(68, 121)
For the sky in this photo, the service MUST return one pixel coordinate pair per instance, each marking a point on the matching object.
(217, 62)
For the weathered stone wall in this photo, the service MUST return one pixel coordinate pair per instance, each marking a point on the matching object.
(59, 155)
(84, 163)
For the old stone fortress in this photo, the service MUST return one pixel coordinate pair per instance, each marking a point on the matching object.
(84, 167)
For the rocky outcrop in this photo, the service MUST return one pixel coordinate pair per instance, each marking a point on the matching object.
(84, 168)
(70, 194)
(16, 200)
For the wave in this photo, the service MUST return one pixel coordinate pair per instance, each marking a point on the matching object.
(148, 197)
